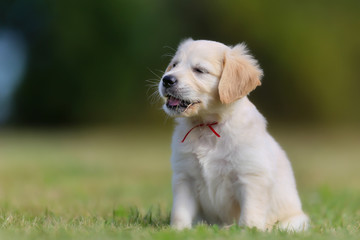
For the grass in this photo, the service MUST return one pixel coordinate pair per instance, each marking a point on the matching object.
(115, 184)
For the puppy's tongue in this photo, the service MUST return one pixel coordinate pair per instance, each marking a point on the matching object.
(173, 101)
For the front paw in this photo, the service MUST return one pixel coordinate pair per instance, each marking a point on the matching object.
(180, 224)
(296, 223)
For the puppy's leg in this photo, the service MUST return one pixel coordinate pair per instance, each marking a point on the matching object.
(185, 206)
(253, 196)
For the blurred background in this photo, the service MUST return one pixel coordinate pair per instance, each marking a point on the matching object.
(87, 62)
(75, 68)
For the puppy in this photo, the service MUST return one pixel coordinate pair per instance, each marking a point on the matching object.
(226, 167)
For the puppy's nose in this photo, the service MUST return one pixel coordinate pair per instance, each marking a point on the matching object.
(169, 81)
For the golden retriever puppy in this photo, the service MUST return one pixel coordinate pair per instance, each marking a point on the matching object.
(226, 167)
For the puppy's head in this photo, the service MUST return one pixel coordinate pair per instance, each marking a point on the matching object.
(205, 75)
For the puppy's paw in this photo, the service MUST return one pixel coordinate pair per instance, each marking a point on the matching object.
(296, 223)
(180, 224)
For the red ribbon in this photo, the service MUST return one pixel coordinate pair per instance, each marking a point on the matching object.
(201, 125)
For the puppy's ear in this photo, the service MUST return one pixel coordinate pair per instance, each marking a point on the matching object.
(241, 74)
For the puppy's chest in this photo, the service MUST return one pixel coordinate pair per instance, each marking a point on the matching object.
(210, 159)
(213, 177)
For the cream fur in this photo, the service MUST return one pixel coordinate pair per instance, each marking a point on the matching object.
(244, 176)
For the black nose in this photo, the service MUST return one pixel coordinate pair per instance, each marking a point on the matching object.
(169, 81)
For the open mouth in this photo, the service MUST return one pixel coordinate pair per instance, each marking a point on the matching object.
(178, 104)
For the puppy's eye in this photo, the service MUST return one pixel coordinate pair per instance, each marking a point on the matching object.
(199, 70)
(171, 66)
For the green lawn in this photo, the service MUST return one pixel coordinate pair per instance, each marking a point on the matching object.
(115, 184)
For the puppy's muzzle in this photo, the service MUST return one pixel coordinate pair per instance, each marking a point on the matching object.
(169, 81)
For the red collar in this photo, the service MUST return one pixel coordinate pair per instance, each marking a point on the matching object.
(201, 125)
